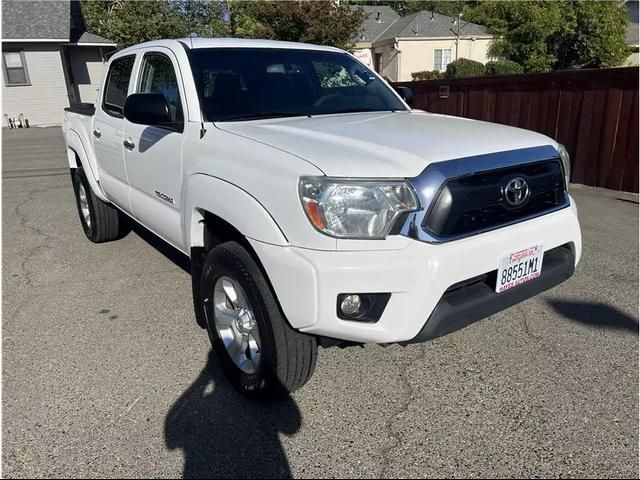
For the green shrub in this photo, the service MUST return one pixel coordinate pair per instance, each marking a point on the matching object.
(503, 67)
(463, 67)
(426, 75)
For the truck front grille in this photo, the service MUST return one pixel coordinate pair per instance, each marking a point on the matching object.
(477, 202)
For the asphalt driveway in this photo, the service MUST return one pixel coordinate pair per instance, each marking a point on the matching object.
(105, 373)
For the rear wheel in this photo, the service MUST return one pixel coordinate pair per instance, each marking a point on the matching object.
(260, 353)
(101, 221)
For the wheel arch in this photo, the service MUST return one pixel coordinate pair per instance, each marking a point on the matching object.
(78, 157)
(217, 211)
(227, 205)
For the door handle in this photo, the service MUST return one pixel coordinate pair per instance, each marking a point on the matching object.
(128, 144)
(97, 133)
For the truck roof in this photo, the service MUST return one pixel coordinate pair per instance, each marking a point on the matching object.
(197, 43)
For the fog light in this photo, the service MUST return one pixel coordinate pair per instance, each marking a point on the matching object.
(361, 307)
(350, 305)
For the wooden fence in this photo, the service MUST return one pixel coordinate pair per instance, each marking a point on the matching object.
(594, 113)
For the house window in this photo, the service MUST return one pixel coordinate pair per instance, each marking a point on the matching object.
(15, 68)
(441, 58)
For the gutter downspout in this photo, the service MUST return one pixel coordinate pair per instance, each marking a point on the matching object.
(399, 56)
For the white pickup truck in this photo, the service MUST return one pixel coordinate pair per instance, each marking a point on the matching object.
(316, 206)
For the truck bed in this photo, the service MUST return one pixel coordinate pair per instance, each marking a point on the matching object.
(81, 108)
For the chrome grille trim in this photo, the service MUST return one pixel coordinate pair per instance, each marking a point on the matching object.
(428, 184)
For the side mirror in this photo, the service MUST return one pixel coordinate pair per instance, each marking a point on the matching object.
(147, 109)
(406, 93)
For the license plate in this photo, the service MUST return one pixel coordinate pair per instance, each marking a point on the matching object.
(516, 268)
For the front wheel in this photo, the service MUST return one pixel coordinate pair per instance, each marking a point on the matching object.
(259, 352)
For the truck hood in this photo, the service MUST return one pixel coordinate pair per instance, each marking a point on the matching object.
(394, 144)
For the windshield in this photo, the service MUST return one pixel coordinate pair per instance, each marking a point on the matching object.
(253, 83)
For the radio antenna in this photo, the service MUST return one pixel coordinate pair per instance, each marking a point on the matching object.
(190, 6)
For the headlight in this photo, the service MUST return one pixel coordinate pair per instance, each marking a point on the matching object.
(355, 208)
(566, 162)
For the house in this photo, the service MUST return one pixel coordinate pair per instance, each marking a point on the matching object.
(632, 33)
(399, 46)
(377, 19)
(49, 60)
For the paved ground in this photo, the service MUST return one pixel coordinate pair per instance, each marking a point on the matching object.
(105, 373)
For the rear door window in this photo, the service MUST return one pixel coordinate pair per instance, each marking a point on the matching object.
(117, 85)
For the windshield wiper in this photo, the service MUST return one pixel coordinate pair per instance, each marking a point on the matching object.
(263, 115)
(357, 110)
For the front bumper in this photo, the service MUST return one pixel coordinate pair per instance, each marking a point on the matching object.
(464, 304)
(307, 282)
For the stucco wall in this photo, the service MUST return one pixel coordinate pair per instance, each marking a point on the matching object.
(418, 55)
(43, 101)
(389, 60)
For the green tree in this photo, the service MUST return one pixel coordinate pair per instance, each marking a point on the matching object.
(546, 35)
(523, 30)
(444, 7)
(129, 22)
(502, 67)
(464, 67)
(407, 7)
(597, 36)
(204, 18)
(322, 22)
(426, 75)
(540, 35)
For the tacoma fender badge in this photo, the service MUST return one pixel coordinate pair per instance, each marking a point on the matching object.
(164, 197)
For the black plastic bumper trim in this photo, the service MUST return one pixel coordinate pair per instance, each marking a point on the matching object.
(463, 305)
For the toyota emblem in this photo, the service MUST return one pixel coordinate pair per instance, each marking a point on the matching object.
(516, 192)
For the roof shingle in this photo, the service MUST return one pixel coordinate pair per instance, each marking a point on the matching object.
(429, 24)
(37, 20)
(87, 37)
(377, 20)
(382, 23)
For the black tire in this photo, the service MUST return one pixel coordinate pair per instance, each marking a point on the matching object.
(107, 223)
(288, 357)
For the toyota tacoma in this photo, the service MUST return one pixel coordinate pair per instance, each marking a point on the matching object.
(316, 206)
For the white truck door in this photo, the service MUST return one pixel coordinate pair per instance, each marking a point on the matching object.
(107, 133)
(153, 154)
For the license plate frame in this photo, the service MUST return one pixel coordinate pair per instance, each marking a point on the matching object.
(519, 266)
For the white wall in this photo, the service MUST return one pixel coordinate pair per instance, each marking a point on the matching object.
(42, 102)
(418, 55)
